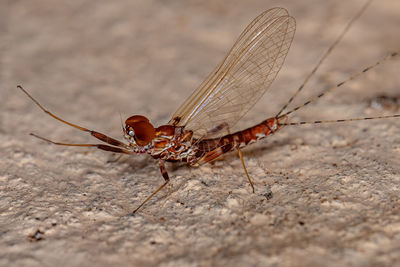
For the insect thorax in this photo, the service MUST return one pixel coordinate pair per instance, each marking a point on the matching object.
(173, 143)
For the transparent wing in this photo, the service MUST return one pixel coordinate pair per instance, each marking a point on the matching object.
(241, 79)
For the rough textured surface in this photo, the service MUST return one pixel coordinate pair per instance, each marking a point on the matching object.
(325, 195)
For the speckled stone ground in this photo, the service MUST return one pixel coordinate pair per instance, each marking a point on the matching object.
(325, 195)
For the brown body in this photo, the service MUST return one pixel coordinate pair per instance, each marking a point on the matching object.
(173, 143)
(211, 149)
(221, 100)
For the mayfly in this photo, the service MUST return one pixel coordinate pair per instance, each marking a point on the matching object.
(199, 131)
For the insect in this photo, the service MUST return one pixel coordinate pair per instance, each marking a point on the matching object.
(199, 131)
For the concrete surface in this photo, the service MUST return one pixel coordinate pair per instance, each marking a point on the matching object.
(325, 195)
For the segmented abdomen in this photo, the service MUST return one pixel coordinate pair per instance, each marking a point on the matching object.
(211, 149)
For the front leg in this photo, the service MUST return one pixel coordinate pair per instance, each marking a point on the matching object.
(164, 173)
(98, 135)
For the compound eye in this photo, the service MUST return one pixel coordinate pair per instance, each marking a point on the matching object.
(144, 133)
(141, 129)
(135, 118)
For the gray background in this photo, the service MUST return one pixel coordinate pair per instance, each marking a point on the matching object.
(325, 195)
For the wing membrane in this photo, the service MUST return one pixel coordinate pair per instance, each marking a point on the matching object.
(241, 79)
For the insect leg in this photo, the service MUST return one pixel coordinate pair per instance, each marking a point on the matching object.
(244, 166)
(245, 170)
(95, 134)
(164, 173)
(99, 146)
